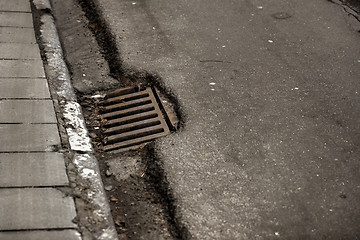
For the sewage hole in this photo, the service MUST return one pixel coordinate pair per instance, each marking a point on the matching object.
(129, 118)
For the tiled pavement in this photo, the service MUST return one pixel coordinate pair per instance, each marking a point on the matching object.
(32, 205)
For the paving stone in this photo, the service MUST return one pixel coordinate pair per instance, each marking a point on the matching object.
(15, 5)
(22, 68)
(19, 51)
(41, 235)
(17, 35)
(24, 88)
(27, 111)
(32, 170)
(35, 208)
(16, 19)
(28, 137)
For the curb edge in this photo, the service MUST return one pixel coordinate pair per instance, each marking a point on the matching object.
(86, 165)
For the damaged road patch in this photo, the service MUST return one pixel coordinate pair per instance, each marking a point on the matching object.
(139, 209)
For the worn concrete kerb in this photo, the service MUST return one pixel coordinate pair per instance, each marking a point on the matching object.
(81, 150)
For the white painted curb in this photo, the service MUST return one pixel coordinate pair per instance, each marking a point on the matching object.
(86, 164)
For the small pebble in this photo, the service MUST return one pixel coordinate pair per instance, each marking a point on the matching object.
(108, 173)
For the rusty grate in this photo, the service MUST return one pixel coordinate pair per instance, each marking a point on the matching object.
(131, 118)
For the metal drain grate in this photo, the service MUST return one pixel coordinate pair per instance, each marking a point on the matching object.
(131, 119)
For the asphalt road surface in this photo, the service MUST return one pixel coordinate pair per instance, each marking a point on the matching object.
(270, 97)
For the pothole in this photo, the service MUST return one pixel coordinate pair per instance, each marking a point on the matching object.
(121, 124)
(136, 187)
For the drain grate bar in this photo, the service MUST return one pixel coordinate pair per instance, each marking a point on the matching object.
(125, 98)
(132, 126)
(129, 111)
(125, 105)
(121, 91)
(134, 134)
(132, 144)
(130, 119)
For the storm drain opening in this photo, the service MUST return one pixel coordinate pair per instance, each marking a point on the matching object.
(130, 119)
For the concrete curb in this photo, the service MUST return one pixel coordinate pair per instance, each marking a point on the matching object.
(86, 169)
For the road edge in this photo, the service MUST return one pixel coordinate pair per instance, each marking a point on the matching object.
(95, 217)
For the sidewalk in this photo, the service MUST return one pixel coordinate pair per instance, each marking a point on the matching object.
(32, 173)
